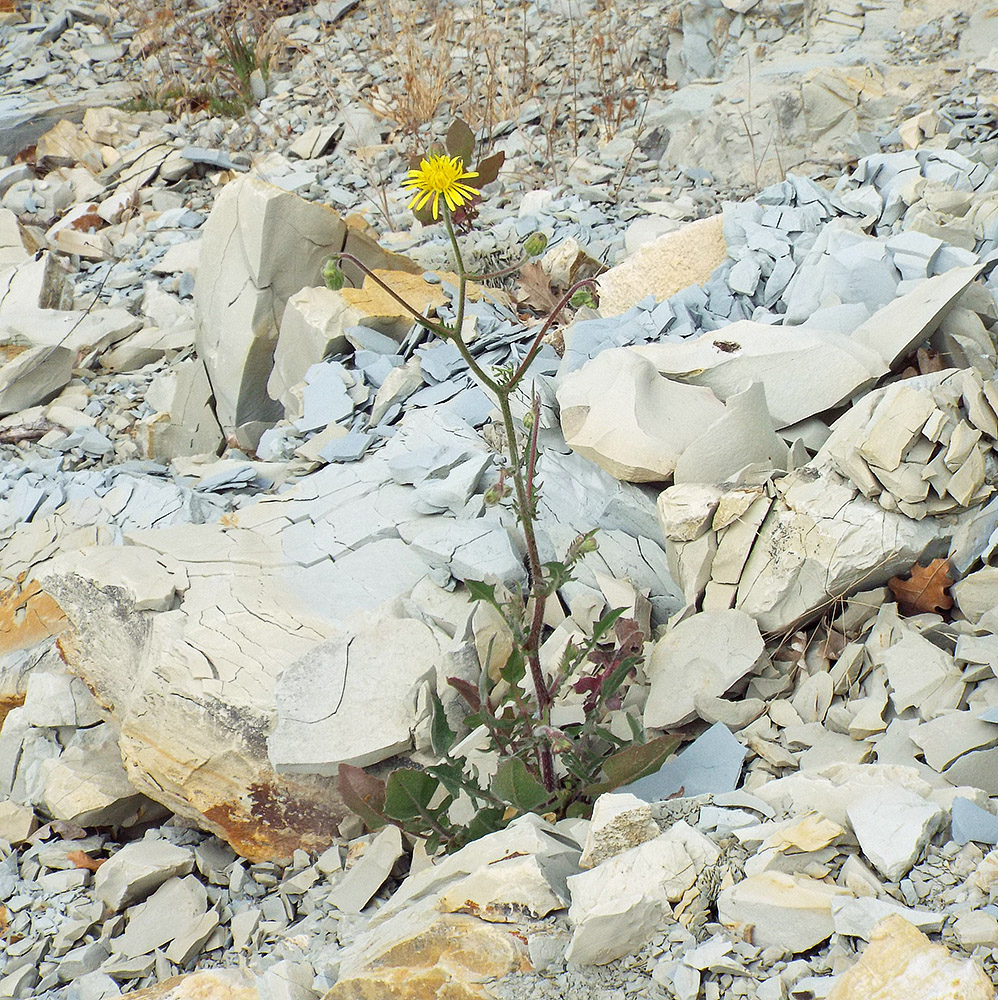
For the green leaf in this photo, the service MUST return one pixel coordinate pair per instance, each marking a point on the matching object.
(514, 670)
(488, 169)
(606, 623)
(514, 784)
(442, 737)
(460, 142)
(363, 794)
(636, 761)
(486, 821)
(482, 592)
(408, 793)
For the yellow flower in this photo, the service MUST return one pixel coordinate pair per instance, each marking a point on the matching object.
(436, 176)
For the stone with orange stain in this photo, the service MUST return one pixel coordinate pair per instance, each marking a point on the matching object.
(421, 954)
(212, 984)
(28, 616)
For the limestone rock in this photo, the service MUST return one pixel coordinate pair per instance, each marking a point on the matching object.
(185, 423)
(818, 542)
(354, 891)
(901, 963)
(511, 889)
(259, 247)
(893, 826)
(32, 376)
(620, 821)
(910, 319)
(803, 373)
(421, 954)
(623, 900)
(687, 256)
(317, 321)
(17, 822)
(87, 784)
(211, 984)
(705, 654)
(790, 912)
(352, 699)
(137, 869)
(619, 413)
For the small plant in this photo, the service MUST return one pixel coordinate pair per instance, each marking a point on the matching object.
(542, 768)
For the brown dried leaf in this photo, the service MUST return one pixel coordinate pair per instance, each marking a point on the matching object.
(929, 361)
(81, 859)
(534, 290)
(925, 589)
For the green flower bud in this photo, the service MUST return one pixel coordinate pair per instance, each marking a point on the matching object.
(535, 244)
(588, 545)
(583, 297)
(332, 275)
(491, 496)
(528, 420)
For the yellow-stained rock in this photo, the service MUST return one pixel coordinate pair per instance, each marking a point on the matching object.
(901, 963)
(213, 984)
(421, 954)
(664, 266)
(27, 616)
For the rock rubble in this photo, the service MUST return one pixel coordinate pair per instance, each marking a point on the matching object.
(237, 511)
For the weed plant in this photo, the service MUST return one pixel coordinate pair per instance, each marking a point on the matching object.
(542, 767)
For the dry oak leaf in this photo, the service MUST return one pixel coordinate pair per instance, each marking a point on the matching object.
(926, 588)
(81, 859)
(534, 290)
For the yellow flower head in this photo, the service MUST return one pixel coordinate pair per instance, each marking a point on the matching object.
(436, 176)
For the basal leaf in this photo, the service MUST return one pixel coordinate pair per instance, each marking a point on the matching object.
(363, 794)
(408, 793)
(638, 760)
(514, 784)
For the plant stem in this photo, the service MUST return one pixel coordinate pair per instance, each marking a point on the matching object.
(524, 493)
(535, 345)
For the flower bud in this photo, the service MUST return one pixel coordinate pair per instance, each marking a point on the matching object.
(535, 244)
(528, 420)
(332, 275)
(583, 297)
(588, 545)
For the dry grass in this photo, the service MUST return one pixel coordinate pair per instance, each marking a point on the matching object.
(205, 59)
(483, 63)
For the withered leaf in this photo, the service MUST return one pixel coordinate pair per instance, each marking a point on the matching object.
(925, 589)
(81, 859)
(534, 291)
